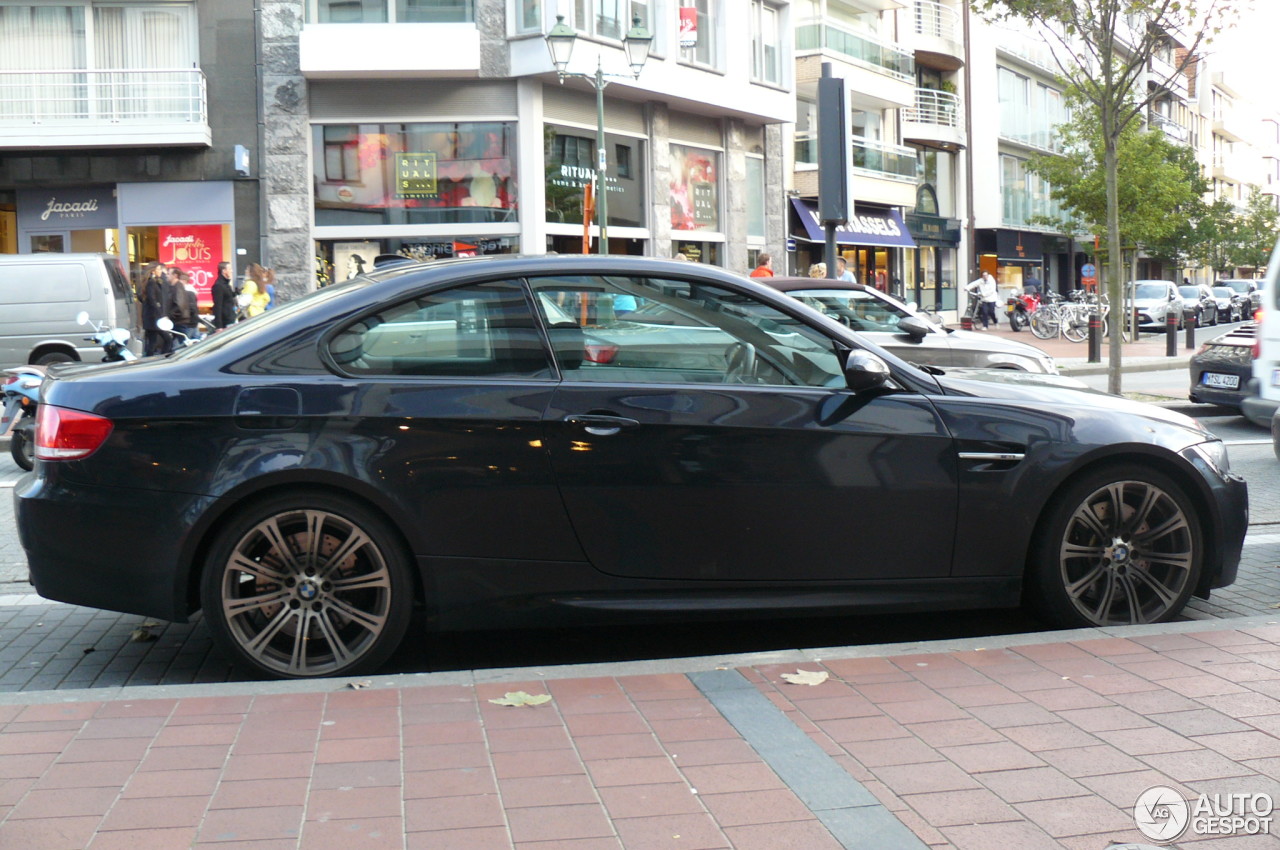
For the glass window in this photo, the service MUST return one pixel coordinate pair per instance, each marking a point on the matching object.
(479, 331)
(447, 173)
(766, 43)
(528, 15)
(435, 11)
(609, 18)
(755, 197)
(649, 330)
(694, 198)
(570, 157)
(702, 15)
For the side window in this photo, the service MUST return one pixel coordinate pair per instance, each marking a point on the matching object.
(652, 330)
(478, 331)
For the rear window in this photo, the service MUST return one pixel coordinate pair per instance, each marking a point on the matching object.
(43, 283)
(119, 285)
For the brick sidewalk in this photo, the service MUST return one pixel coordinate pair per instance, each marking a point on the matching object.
(1025, 745)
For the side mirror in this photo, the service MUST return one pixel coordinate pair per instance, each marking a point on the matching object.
(82, 318)
(914, 326)
(864, 371)
(164, 323)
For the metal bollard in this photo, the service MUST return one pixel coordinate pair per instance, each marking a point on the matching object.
(1171, 335)
(1191, 332)
(1095, 337)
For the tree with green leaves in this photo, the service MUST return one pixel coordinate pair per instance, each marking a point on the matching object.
(1103, 49)
(1158, 183)
(1217, 236)
(1258, 226)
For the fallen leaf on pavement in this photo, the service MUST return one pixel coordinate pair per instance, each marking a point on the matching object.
(807, 677)
(519, 698)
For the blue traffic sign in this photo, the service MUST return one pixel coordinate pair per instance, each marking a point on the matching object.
(791, 244)
(1088, 270)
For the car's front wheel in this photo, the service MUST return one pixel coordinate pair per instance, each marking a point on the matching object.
(307, 585)
(1119, 546)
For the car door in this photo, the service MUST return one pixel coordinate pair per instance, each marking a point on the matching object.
(444, 413)
(733, 450)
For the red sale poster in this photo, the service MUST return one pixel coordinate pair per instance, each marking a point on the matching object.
(688, 26)
(197, 250)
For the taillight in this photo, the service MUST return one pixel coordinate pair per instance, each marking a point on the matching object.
(600, 353)
(1257, 335)
(63, 434)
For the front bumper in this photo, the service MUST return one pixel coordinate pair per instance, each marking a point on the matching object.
(1231, 503)
(137, 563)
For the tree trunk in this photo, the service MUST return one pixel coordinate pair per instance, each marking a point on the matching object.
(1115, 259)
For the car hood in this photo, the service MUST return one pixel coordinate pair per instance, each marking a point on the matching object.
(990, 342)
(1144, 303)
(1017, 377)
(1035, 388)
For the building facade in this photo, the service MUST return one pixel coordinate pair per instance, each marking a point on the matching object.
(129, 128)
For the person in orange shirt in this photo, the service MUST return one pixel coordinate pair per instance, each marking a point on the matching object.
(764, 267)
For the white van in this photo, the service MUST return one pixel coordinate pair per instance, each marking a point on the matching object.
(40, 295)
(1262, 397)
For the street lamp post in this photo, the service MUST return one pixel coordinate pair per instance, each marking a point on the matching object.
(560, 42)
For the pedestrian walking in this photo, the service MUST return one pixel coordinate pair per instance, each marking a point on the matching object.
(155, 302)
(818, 270)
(764, 266)
(984, 287)
(184, 310)
(842, 270)
(224, 298)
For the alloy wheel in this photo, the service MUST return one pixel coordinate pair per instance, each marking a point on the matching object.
(1127, 555)
(306, 592)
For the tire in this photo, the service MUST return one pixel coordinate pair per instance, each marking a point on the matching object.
(1075, 327)
(284, 615)
(54, 357)
(1018, 320)
(22, 445)
(1078, 577)
(1043, 326)
(1275, 436)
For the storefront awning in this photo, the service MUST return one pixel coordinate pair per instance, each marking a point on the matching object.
(865, 228)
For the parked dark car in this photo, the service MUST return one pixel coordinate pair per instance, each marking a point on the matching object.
(1222, 367)
(1198, 303)
(432, 435)
(1232, 306)
(1244, 290)
(896, 328)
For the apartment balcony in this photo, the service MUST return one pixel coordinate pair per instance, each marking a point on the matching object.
(1227, 166)
(937, 119)
(1173, 131)
(882, 173)
(103, 109)
(1227, 123)
(879, 73)
(1162, 73)
(936, 34)
(389, 50)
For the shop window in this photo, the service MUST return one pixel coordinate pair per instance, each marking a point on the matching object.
(430, 173)
(570, 157)
(694, 198)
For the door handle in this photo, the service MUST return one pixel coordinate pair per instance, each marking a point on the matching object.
(599, 425)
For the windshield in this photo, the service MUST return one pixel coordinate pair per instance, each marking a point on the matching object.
(1151, 290)
(1222, 291)
(265, 319)
(1189, 291)
(860, 310)
(1241, 286)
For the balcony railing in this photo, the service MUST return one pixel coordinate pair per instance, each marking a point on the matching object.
(937, 20)
(861, 48)
(1172, 129)
(391, 11)
(874, 159)
(934, 107)
(84, 98)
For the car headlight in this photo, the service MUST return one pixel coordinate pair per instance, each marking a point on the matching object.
(1214, 453)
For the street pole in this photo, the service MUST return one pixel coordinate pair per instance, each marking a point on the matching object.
(602, 162)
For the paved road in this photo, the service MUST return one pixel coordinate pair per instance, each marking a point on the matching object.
(47, 646)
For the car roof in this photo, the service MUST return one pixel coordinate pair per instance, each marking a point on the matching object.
(789, 284)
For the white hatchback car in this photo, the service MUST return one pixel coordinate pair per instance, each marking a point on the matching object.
(1154, 300)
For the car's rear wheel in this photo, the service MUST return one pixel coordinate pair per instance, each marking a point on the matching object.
(53, 357)
(307, 585)
(1119, 546)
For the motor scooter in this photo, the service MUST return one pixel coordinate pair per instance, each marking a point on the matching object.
(21, 394)
(114, 341)
(1020, 308)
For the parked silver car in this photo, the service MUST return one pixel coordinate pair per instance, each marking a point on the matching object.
(894, 326)
(1154, 300)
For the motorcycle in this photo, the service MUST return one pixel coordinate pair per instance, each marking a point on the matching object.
(21, 393)
(177, 339)
(1019, 308)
